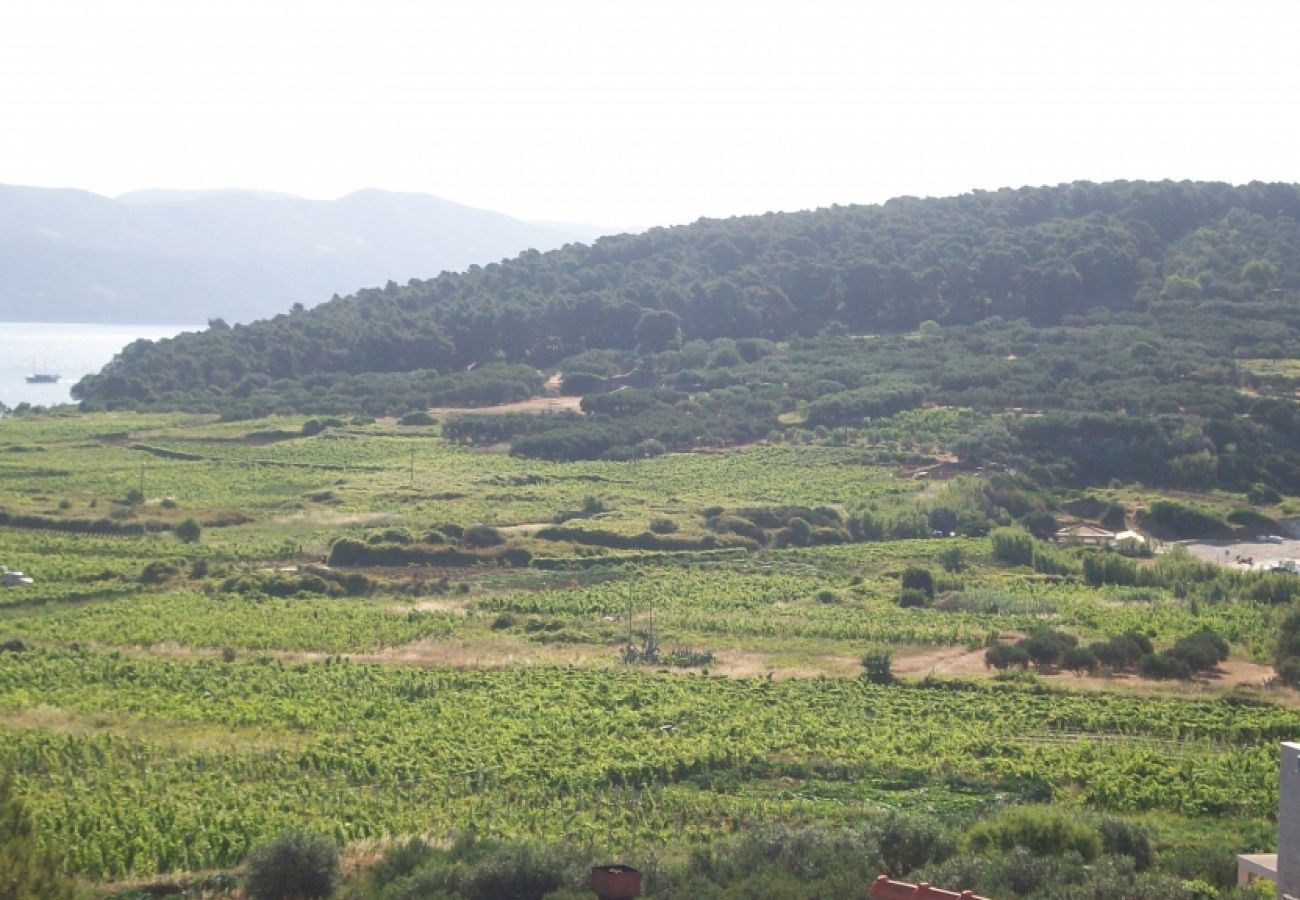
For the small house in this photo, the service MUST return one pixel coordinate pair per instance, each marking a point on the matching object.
(1086, 534)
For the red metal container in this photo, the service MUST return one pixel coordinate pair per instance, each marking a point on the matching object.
(615, 882)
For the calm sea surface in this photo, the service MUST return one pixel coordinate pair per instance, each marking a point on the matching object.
(69, 351)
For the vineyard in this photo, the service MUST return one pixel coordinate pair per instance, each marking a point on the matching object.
(168, 703)
(613, 759)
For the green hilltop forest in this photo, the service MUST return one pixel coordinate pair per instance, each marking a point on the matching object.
(1139, 317)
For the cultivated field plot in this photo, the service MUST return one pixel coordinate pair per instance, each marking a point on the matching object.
(143, 765)
(168, 701)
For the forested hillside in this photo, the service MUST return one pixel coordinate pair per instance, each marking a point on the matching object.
(1134, 315)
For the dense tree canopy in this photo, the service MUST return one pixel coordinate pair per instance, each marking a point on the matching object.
(1103, 328)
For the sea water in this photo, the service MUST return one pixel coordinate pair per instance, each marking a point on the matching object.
(67, 350)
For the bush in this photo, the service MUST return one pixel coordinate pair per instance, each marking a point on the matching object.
(158, 571)
(1078, 660)
(1163, 667)
(663, 526)
(918, 579)
(419, 417)
(913, 599)
(1201, 651)
(1122, 839)
(1122, 651)
(482, 536)
(1013, 546)
(1046, 647)
(1041, 830)
(1004, 656)
(1170, 518)
(295, 865)
(877, 665)
(953, 559)
(1041, 524)
(515, 871)
(1263, 495)
(188, 531)
(800, 532)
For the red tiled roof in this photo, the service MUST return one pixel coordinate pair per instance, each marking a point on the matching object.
(901, 890)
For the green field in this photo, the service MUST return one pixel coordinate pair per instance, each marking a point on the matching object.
(167, 705)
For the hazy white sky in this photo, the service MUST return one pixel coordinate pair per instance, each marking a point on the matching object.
(620, 113)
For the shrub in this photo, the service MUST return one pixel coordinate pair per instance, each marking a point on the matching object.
(877, 665)
(517, 871)
(1013, 546)
(1162, 666)
(738, 525)
(1041, 830)
(918, 579)
(953, 559)
(188, 531)
(799, 530)
(419, 417)
(575, 384)
(1122, 839)
(1004, 656)
(1041, 524)
(482, 536)
(1175, 519)
(913, 599)
(1201, 651)
(663, 526)
(1078, 660)
(1122, 651)
(157, 572)
(1263, 495)
(1046, 647)
(295, 865)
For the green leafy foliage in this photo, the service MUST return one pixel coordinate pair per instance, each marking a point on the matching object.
(1041, 830)
(29, 870)
(295, 865)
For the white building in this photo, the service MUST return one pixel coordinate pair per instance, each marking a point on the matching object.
(1283, 867)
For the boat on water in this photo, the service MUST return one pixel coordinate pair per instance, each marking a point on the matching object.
(42, 378)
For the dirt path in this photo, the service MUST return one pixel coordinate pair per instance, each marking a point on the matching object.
(504, 651)
(531, 405)
(958, 661)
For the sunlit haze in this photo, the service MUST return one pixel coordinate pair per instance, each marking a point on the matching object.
(640, 114)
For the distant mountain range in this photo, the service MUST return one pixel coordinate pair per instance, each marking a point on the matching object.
(181, 257)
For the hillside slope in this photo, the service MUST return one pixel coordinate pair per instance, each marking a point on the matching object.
(189, 256)
(1042, 254)
(1145, 331)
